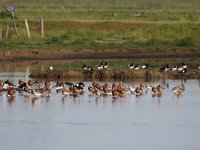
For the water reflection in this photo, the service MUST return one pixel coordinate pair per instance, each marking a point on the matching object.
(11, 100)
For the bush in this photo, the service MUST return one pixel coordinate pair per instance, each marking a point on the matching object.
(187, 41)
(5, 14)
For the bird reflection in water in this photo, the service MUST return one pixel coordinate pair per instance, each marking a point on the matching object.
(35, 101)
(76, 99)
(11, 100)
(177, 99)
(64, 100)
(97, 99)
(157, 95)
(157, 98)
(114, 100)
(47, 98)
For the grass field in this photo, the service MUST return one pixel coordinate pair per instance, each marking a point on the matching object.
(103, 24)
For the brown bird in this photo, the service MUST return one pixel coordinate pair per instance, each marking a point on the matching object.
(46, 91)
(27, 90)
(11, 91)
(1, 82)
(77, 92)
(40, 83)
(160, 88)
(138, 91)
(115, 93)
(91, 89)
(105, 89)
(155, 90)
(114, 86)
(66, 92)
(94, 84)
(48, 84)
(20, 82)
(180, 91)
(30, 83)
(99, 87)
(175, 89)
(1, 86)
(141, 86)
(122, 92)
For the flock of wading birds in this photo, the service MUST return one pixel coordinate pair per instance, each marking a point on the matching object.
(42, 87)
(180, 68)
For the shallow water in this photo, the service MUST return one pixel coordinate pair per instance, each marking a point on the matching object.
(91, 122)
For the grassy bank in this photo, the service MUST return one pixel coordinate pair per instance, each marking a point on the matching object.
(107, 24)
(103, 35)
(76, 65)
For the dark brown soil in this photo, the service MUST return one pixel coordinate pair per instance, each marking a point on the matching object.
(136, 53)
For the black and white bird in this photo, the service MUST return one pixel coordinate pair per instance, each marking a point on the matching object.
(184, 65)
(131, 66)
(87, 68)
(197, 66)
(184, 70)
(165, 68)
(7, 84)
(146, 66)
(99, 66)
(105, 65)
(80, 85)
(102, 66)
(174, 68)
(181, 67)
(137, 67)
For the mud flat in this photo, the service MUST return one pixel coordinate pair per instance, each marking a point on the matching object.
(134, 53)
(114, 74)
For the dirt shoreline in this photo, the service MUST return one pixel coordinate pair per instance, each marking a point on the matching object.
(136, 53)
(114, 74)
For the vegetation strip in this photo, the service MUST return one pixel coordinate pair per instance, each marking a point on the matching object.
(114, 74)
(97, 25)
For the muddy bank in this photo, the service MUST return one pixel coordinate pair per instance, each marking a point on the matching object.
(135, 53)
(115, 74)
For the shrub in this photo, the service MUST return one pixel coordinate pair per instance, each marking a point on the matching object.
(187, 41)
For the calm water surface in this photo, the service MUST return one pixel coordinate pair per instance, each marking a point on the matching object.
(101, 123)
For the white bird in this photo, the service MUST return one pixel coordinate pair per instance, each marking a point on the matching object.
(50, 68)
(132, 89)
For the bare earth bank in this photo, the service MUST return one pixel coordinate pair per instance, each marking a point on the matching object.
(136, 53)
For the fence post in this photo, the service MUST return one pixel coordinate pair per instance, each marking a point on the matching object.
(14, 23)
(27, 29)
(42, 27)
(7, 30)
(1, 33)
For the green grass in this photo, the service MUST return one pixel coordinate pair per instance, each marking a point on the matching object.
(104, 24)
(104, 35)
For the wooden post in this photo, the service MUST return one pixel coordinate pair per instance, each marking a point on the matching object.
(7, 31)
(14, 23)
(1, 33)
(27, 29)
(42, 27)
